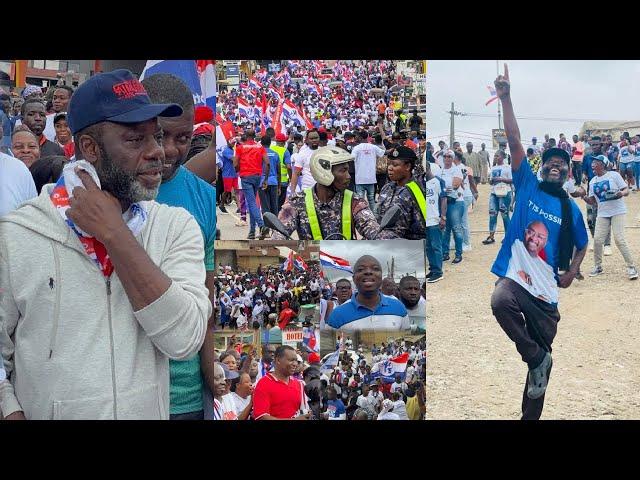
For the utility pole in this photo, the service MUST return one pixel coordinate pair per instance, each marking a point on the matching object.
(452, 130)
(499, 110)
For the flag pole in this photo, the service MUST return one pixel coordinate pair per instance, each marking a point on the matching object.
(499, 110)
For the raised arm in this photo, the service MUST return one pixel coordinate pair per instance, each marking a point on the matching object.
(503, 90)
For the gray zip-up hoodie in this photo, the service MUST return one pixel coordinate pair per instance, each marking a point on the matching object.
(72, 346)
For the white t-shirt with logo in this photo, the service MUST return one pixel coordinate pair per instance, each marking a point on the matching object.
(500, 171)
(448, 174)
(599, 186)
(627, 154)
(365, 162)
(433, 191)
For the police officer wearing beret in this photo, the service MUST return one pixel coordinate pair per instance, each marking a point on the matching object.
(404, 191)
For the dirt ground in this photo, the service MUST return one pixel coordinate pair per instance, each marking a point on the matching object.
(474, 370)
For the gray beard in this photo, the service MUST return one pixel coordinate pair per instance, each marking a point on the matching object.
(123, 185)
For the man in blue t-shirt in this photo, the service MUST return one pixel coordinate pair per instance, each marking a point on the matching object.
(182, 188)
(545, 228)
(335, 407)
(269, 195)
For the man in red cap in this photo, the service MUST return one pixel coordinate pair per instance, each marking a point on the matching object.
(285, 166)
(313, 358)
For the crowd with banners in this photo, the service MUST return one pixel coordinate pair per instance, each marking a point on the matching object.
(453, 175)
(272, 297)
(300, 139)
(390, 386)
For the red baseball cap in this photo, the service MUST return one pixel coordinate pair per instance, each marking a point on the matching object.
(313, 358)
(281, 137)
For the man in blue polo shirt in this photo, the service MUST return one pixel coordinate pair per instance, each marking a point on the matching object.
(545, 228)
(369, 309)
(182, 188)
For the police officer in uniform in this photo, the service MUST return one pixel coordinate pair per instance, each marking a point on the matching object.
(404, 191)
(328, 210)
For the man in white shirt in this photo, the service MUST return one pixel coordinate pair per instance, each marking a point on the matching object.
(16, 184)
(302, 162)
(398, 385)
(365, 155)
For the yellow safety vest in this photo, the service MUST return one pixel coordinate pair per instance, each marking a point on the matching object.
(313, 216)
(419, 197)
(284, 173)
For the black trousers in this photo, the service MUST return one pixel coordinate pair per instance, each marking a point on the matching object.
(283, 195)
(531, 324)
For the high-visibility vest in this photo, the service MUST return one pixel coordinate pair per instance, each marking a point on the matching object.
(313, 216)
(284, 173)
(419, 197)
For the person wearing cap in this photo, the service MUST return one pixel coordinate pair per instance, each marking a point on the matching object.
(120, 277)
(550, 226)
(404, 191)
(329, 210)
(607, 189)
(278, 395)
(182, 188)
(285, 166)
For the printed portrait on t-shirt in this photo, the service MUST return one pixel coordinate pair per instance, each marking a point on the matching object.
(528, 264)
(601, 188)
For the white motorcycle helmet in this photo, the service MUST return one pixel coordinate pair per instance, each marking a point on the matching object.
(324, 159)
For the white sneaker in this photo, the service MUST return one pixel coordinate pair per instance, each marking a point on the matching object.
(241, 223)
(632, 272)
(596, 271)
(607, 250)
(466, 248)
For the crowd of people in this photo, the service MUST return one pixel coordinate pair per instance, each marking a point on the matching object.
(269, 298)
(350, 391)
(332, 163)
(287, 383)
(601, 171)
